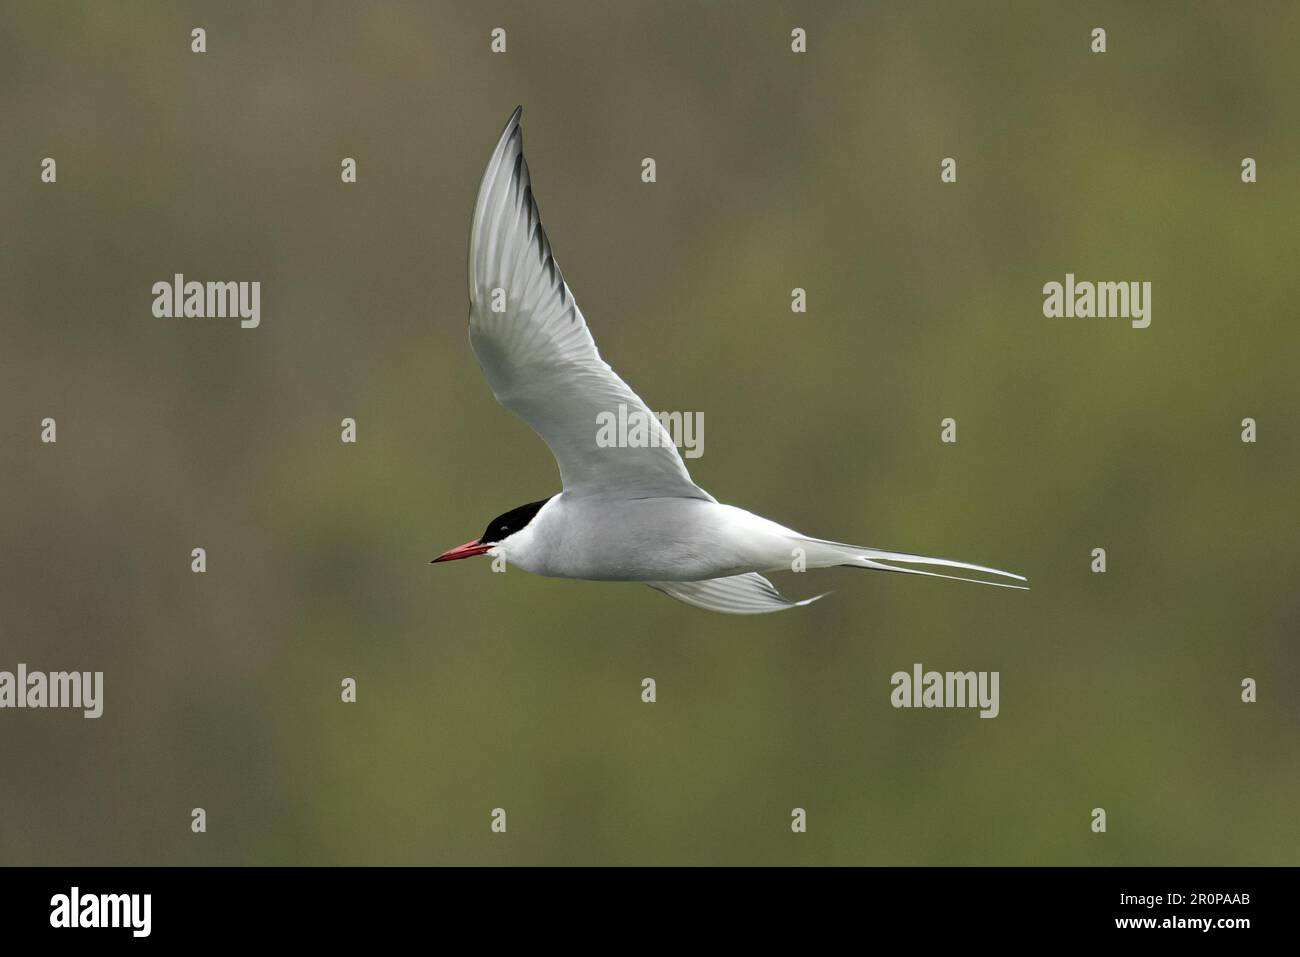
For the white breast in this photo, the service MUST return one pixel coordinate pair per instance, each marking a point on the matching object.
(657, 539)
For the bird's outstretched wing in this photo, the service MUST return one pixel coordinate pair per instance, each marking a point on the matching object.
(537, 354)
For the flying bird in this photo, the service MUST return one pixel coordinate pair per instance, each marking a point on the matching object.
(625, 513)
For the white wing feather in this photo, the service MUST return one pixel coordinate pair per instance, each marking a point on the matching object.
(537, 354)
(749, 594)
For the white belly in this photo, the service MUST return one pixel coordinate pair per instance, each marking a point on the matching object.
(659, 539)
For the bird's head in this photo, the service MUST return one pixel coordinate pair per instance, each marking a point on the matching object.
(498, 530)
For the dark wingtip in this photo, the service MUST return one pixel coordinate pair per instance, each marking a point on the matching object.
(512, 127)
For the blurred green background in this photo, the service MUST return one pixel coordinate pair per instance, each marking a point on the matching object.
(774, 171)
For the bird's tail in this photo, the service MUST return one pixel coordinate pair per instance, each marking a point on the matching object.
(824, 554)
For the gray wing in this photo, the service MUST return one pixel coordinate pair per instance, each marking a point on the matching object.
(537, 354)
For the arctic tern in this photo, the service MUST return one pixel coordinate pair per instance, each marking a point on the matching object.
(625, 513)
